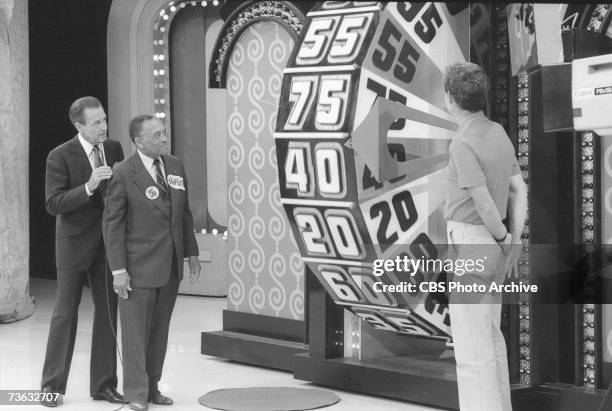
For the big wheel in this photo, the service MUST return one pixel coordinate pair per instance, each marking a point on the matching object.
(362, 138)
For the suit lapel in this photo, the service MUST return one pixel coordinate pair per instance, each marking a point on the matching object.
(142, 179)
(80, 157)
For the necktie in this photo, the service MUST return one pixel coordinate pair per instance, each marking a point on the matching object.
(161, 181)
(97, 158)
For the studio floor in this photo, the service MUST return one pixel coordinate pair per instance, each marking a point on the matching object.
(187, 373)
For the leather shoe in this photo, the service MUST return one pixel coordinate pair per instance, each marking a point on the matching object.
(139, 406)
(111, 395)
(48, 397)
(160, 399)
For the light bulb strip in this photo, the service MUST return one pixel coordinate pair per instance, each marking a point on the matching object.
(524, 272)
(161, 77)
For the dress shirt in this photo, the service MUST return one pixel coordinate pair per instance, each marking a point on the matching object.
(148, 164)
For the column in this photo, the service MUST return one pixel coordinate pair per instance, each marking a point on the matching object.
(15, 300)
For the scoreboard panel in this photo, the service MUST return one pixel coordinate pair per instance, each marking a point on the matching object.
(362, 139)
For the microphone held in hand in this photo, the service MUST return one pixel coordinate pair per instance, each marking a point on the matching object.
(102, 154)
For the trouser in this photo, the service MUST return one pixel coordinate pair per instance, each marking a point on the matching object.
(479, 345)
(63, 328)
(145, 322)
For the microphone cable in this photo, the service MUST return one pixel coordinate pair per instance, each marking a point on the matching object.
(105, 236)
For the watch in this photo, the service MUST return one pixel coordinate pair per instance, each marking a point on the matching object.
(501, 240)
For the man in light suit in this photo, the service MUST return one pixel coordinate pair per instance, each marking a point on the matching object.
(76, 181)
(149, 232)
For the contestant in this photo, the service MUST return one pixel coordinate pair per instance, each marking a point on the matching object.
(484, 179)
(149, 232)
(75, 186)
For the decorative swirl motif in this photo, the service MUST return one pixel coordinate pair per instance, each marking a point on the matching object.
(257, 256)
(277, 295)
(237, 55)
(255, 47)
(276, 225)
(257, 115)
(235, 153)
(235, 193)
(271, 126)
(257, 298)
(257, 161)
(296, 303)
(274, 163)
(297, 265)
(254, 76)
(256, 259)
(274, 86)
(277, 265)
(278, 52)
(257, 228)
(235, 81)
(235, 222)
(257, 158)
(236, 292)
(277, 55)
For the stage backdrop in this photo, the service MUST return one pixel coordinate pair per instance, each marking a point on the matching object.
(266, 269)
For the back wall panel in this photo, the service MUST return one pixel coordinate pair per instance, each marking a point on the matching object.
(266, 269)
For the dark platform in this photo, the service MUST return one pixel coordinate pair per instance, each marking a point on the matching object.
(256, 339)
(557, 397)
(252, 349)
(417, 379)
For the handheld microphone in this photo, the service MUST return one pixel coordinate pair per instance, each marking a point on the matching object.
(101, 144)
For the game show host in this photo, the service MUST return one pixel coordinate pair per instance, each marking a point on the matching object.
(76, 181)
(149, 230)
(483, 181)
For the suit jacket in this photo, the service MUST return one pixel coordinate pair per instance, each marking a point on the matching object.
(78, 224)
(141, 236)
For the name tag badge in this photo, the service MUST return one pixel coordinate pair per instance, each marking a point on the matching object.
(176, 182)
(152, 193)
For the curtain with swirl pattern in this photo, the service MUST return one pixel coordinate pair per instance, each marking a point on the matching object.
(266, 270)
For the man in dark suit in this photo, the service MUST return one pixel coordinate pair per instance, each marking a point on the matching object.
(150, 231)
(76, 180)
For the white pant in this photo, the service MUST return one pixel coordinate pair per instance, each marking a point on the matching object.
(480, 349)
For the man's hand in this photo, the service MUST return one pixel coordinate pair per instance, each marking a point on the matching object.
(99, 174)
(121, 284)
(512, 250)
(506, 245)
(194, 268)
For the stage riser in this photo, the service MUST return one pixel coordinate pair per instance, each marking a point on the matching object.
(434, 391)
(264, 326)
(254, 350)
